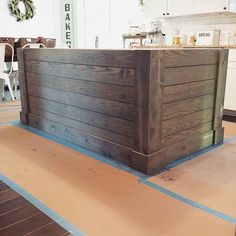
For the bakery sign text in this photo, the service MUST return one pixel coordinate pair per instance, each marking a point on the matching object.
(67, 23)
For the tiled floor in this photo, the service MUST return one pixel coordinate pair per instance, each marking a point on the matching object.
(20, 217)
(195, 198)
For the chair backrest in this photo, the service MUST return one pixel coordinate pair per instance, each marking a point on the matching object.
(2, 56)
(34, 45)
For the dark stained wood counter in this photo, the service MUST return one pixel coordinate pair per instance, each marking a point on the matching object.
(144, 108)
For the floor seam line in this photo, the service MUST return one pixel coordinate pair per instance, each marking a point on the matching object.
(190, 202)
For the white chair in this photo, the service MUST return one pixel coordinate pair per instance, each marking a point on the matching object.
(5, 75)
(16, 72)
(34, 45)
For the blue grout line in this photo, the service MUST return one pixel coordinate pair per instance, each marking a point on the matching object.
(58, 219)
(143, 179)
(191, 203)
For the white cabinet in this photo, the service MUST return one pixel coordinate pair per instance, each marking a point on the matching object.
(203, 6)
(155, 8)
(178, 8)
(230, 91)
(170, 8)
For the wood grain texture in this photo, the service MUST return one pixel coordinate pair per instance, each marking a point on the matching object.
(124, 94)
(3, 187)
(101, 74)
(110, 123)
(182, 108)
(141, 101)
(13, 204)
(19, 217)
(152, 164)
(189, 74)
(155, 100)
(220, 89)
(190, 57)
(113, 58)
(185, 134)
(188, 90)
(116, 109)
(8, 195)
(23, 87)
(149, 92)
(51, 229)
(186, 122)
(26, 226)
(134, 106)
(92, 130)
(219, 136)
(98, 145)
(179, 150)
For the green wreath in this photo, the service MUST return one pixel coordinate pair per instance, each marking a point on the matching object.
(29, 9)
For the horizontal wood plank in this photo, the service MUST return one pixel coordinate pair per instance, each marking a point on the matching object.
(186, 134)
(101, 146)
(181, 108)
(12, 205)
(186, 122)
(8, 195)
(111, 92)
(116, 58)
(189, 90)
(51, 229)
(181, 75)
(26, 226)
(102, 74)
(179, 150)
(116, 109)
(3, 187)
(95, 131)
(18, 215)
(190, 57)
(106, 122)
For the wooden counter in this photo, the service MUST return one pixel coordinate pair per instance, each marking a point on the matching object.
(144, 108)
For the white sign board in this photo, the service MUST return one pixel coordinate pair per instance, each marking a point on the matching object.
(68, 23)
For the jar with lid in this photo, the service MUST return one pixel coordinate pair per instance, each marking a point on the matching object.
(176, 40)
(192, 40)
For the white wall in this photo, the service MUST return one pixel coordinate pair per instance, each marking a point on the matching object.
(107, 19)
(42, 24)
(189, 25)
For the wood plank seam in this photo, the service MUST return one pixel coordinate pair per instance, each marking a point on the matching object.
(122, 127)
(210, 64)
(111, 95)
(164, 103)
(74, 78)
(126, 113)
(102, 128)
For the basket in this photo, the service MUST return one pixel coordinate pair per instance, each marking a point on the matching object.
(48, 42)
(23, 41)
